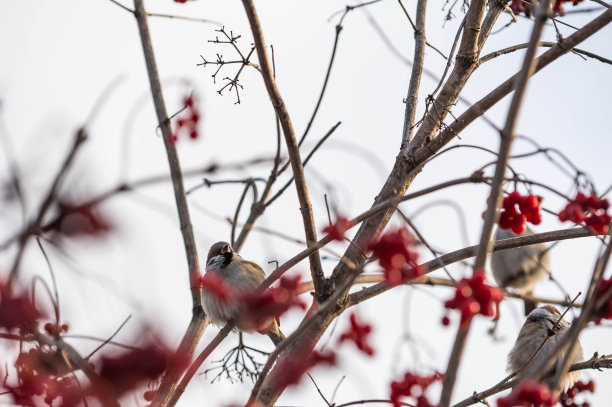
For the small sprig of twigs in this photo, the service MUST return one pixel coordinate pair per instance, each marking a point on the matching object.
(238, 363)
(243, 60)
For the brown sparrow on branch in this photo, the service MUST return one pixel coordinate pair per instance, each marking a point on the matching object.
(520, 268)
(241, 276)
(540, 324)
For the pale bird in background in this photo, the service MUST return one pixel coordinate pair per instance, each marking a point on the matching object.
(520, 268)
(534, 332)
(240, 275)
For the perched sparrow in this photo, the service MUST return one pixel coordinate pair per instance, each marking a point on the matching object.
(520, 268)
(241, 275)
(533, 333)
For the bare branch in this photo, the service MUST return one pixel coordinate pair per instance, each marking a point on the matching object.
(292, 147)
(508, 50)
(417, 71)
(199, 321)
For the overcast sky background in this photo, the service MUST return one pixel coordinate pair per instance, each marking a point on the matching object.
(60, 56)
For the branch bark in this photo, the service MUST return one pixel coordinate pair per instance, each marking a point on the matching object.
(415, 76)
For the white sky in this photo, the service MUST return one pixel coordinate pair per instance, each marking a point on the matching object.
(59, 56)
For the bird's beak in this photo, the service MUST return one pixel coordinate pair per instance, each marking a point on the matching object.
(226, 249)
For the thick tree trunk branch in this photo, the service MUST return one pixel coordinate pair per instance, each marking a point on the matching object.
(484, 104)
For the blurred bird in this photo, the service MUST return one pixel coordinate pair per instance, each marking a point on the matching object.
(534, 332)
(240, 275)
(520, 268)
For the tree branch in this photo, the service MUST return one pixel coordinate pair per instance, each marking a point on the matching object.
(199, 321)
(484, 104)
(417, 71)
(292, 147)
(467, 252)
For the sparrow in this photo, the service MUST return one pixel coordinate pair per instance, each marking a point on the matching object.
(241, 275)
(520, 268)
(534, 332)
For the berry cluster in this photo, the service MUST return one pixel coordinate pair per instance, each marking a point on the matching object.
(529, 393)
(188, 124)
(414, 386)
(216, 286)
(54, 329)
(292, 368)
(17, 309)
(604, 293)
(397, 255)
(567, 398)
(76, 220)
(359, 333)
(42, 372)
(257, 310)
(473, 296)
(590, 210)
(522, 6)
(337, 230)
(518, 209)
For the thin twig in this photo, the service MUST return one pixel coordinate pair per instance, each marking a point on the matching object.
(171, 16)
(109, 339)
(513, 48)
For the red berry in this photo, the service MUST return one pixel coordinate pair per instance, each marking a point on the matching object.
(148, 395)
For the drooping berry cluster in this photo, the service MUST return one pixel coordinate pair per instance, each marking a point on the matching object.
(257, 310)
(604, 293)
(42, 373)
(75, 220)
(590, 210)
(359, 333)
(54, 329)
(415, 386)
(473, 296)
(188, 122)
(525, 7)
(17, 310)
(337, 230)
(567, 398)
(397, 255)
(260, 309)
(518, 209)
(292, 368)
(529, 393)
